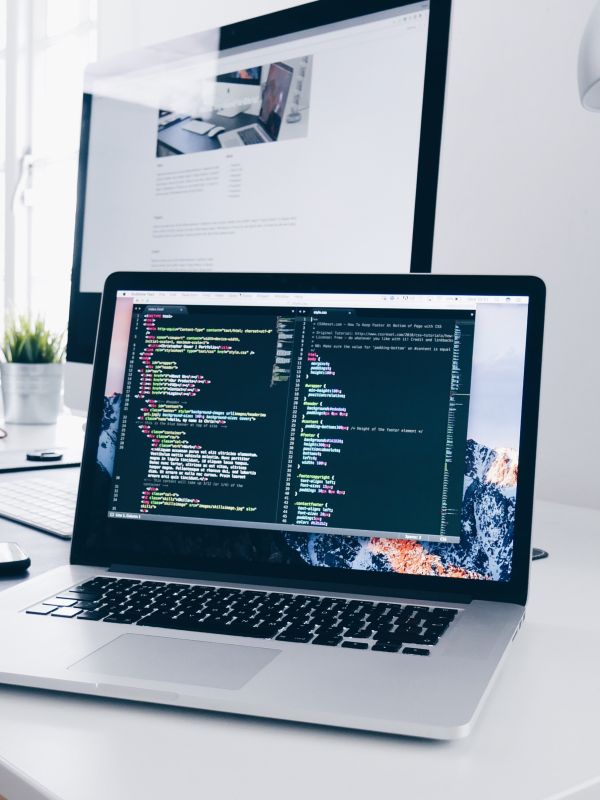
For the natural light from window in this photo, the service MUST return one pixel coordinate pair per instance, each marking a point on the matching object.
(57, 38)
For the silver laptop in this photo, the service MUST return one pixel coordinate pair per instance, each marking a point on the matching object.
(303, 497)
(274, 100)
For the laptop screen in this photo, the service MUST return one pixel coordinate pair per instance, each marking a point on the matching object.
(274, 98)
(358, 432)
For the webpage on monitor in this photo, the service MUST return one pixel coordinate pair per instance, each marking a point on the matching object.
(330, 184)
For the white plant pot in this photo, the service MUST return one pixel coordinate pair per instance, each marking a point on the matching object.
(32, 393)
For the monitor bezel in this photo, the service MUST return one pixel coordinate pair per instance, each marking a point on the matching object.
(84, 307)
(514, 590)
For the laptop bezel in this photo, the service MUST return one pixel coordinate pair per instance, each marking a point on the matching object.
(514, 590)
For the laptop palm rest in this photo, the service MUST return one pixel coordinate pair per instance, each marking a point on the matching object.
(161, 658)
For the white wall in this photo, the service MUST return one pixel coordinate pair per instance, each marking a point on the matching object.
(519, 192)
(519, 185)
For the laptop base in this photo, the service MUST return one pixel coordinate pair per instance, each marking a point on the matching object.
(438, 697)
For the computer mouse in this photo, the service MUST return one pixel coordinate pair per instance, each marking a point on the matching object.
(44, 455)
(215, 131)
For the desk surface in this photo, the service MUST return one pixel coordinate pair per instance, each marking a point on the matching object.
(46, 552)
(179, 141)
(68, 432)
(536, 738)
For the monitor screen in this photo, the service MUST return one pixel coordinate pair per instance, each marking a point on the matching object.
(248, 75)
(369, 433)
(349, 107)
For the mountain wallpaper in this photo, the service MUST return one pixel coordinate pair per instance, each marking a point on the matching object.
(107, 444)
(485, 552)
(487, 518)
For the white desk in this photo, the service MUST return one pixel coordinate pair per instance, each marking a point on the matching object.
(46, 551)
(68, 432)
(537, 738)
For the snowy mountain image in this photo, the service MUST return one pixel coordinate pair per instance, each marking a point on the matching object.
(107, 443)
(488, 513)
(500, 466)
(487, 518)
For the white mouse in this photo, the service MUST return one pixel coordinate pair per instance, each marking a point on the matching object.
(215, 131)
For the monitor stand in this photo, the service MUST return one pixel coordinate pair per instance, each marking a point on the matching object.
(78, 381)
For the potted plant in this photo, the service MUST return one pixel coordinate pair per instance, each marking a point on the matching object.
(31, 372)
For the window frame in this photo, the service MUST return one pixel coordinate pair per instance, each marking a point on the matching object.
(26, 38)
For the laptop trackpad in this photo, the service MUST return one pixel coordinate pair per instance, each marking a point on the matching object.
(161, 658)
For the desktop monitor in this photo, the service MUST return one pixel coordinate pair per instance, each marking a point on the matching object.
(249, 76)
(347, 184)
(234, 93)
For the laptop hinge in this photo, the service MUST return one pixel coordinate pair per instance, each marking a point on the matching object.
(338, 588)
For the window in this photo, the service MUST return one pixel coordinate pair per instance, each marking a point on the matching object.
(3, 26)
(45, 46)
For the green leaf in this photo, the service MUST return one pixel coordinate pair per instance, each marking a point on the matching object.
(28, 342)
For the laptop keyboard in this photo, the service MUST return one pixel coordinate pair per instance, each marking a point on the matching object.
(250, 136)
(326, 621)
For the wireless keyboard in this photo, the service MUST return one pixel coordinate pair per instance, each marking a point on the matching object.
(46, 503)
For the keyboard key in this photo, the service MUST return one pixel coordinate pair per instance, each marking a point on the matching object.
(123, 619)
(330, 630)
(301, 629)
(388, 636)
(356, 645)
(415, 651)
(42, 609)
(294, 637)
(93, 585)
(92, 615)
(438, 626)
(387, 647)
(428, 639)
(74, 594)
(67, 613)
(444, 613)
(327, 641)
(365, 633)
(59, 601)
(402, 635)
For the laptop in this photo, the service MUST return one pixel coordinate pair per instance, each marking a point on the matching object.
(274, 99)
(302, 496)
